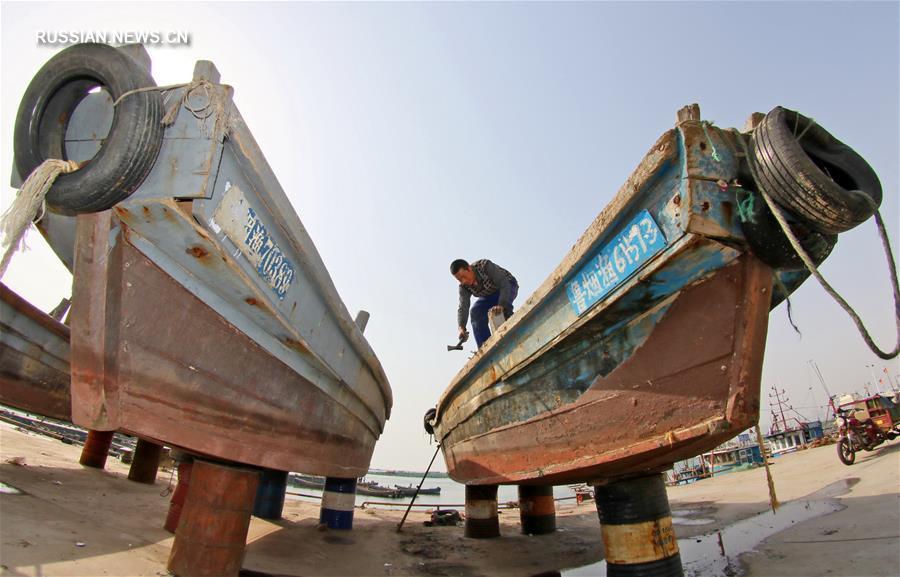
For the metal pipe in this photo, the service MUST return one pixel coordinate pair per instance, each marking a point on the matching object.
(96, 449)
(537, 509)
(270, 494)
(337, 503)
(178, 496)
(413, 500)
(212, 534)
(481, 512)
(145, 463)
(636, 524)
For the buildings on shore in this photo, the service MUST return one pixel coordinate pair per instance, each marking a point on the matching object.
(744, 451)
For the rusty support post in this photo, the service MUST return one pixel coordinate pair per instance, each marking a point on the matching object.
(481, 512)
(338, 500)
(212, 535)
(145, 463)
(636, 524)
(537, 510)
(269, 501)
(177, 502)
(96, 449)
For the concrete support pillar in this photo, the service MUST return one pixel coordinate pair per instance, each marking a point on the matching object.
(636, 524)
(212, 534)
(537, 509)
(270, 494)
(338, 500)
(481, 512)
(96, 449)
(176, 504)
(145, 463)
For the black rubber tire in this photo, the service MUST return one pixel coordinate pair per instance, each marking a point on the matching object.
(129, 150)
(821, 181)
(769, 244)
(845, 451)
(427, 419)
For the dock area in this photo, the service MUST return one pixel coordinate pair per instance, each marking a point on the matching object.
(70, 520)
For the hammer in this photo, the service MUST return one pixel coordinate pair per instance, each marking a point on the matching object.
(462, 339)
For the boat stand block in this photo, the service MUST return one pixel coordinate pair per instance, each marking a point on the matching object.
(338, 500)
(145, 463)
(269, 502)
(537, 510)
(481, 512)
(212, 535)
(96, 449)
(177, 502)
(636, 524)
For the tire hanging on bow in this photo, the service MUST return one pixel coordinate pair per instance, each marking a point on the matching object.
(128, 152)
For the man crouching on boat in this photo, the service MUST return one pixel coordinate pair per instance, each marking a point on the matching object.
(495, 287)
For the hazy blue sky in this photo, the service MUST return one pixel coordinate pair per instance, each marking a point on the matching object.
(407, 135)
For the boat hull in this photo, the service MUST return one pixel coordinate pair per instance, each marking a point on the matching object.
(203, 316)
(691, 385)
(34, 359)
(149, 358)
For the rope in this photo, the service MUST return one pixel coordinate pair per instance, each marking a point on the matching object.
(745, 209)
(814, 271)
(773, 499)
(715, 153)
(28, 202)
(213, 103)
(776, 210)
(787, 302)
(812, 122)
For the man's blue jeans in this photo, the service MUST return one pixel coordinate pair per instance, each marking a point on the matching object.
(479, 313)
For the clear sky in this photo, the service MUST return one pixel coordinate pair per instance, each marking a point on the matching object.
(410, 134)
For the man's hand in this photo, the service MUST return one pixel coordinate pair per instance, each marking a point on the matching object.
(496, 309)
(462, 331)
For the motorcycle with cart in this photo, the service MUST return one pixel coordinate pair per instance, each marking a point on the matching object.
(866, 424)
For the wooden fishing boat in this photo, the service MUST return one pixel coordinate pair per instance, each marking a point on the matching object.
(203, 316)
(34, 358)
(409, 490)
(645, 345)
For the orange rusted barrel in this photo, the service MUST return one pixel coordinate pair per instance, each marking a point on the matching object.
(96, 449)
(636, 524)
(212, 534)
(177, 501)
(481, 512)
(145, 463)
(537, 509)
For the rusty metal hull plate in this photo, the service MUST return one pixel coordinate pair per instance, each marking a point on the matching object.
(34, 359)
(690, 385)
(150, 358)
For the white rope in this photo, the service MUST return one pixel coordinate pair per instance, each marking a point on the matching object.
(213, 102)
(29, 205)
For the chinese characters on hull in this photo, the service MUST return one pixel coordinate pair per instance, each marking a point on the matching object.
(271, 264)
(615, 262)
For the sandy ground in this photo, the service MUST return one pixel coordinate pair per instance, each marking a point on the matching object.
(77, 521)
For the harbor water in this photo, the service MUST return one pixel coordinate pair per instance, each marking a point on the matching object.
(452, 493)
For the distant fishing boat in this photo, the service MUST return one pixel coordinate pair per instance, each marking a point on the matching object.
(409, 490)
(645, 345)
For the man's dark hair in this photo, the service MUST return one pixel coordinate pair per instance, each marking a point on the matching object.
(458, 264)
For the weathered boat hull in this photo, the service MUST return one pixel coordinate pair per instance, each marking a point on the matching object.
(692, 383)
(203, 316)
(34, 359)
(643, 347)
